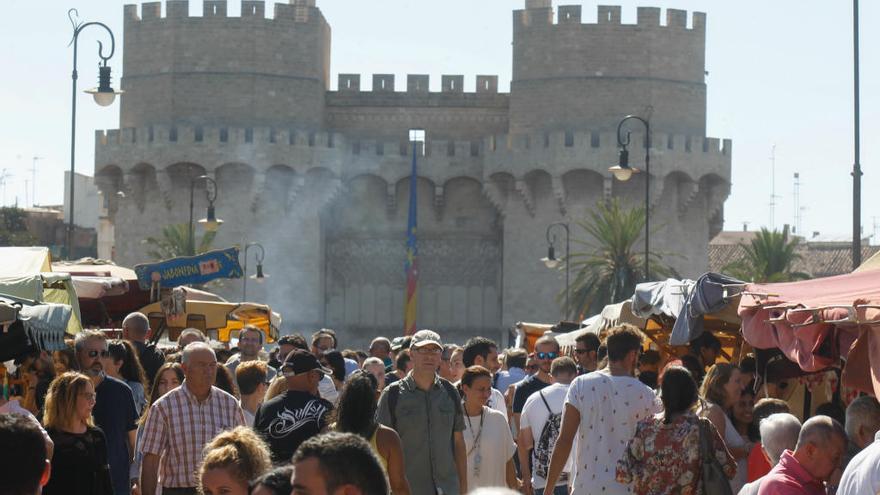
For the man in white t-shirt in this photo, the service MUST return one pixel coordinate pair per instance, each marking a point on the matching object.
(539, 428)
(602, 408)
(480, 351)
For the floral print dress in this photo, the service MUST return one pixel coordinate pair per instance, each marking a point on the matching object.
(664, 459)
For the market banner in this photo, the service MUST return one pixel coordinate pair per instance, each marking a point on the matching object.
(190, 270)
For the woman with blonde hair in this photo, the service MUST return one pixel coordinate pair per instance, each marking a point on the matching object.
(231, 460)
(79, 464)
(721, 390)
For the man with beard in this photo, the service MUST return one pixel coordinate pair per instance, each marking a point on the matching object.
(115, 412)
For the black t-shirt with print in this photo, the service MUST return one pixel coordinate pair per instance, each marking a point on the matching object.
(288, 420)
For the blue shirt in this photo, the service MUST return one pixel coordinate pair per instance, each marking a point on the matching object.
(116, 415)
(507, 378)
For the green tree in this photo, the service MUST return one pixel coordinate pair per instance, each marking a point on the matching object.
(175, 242)
(769, 257)
(13, 228)
(607, 270)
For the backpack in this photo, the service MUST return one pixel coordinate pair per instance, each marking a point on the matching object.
(549, 433)
(394, 394)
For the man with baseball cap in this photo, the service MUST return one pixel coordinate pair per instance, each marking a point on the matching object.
(426, 412)
(298, 414)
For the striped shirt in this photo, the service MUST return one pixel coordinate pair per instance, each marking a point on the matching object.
(179, 426)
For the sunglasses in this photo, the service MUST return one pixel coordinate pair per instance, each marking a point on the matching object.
(581, 351)
(94, 354)
(548, 355)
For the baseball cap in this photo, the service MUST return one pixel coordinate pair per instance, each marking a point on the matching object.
(400, 343)
(425, 337)
(300, 361)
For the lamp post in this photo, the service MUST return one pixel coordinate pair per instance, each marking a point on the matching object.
(259, 276)
(104, 95)
(551, 261)
(857, 167)
(210, 222)
(622, 172)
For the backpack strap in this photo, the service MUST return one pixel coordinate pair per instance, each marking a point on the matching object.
(541, 393)
(454, 394)
(393, 395)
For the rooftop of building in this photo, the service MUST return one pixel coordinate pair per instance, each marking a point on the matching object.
(820, 255)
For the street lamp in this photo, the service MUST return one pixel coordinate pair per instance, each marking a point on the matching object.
(259, 276)
(104, 95)
(210, 222)
(622, 172)
(551, 261)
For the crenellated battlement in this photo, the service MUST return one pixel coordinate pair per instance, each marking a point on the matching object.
(416, 84)
(299, 11)
(538, 15)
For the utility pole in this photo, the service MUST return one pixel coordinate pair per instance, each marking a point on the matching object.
(773, 195)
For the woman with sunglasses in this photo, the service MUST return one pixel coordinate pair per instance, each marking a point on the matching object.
(488, 442)
(79, 464)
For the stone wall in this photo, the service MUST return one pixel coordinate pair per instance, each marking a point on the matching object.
(220, 70)
(320, 178)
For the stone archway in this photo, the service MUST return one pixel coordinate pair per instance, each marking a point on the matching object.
(460, 259)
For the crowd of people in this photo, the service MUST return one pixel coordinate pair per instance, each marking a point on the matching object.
(413, 415)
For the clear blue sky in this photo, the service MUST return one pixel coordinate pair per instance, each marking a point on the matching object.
(780, 72)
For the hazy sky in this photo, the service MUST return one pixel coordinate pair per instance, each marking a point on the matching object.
(780, 73)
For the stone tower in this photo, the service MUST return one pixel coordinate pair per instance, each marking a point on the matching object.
(319, 177)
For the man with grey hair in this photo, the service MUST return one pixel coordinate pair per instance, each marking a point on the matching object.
(188, 336)
(819, 450)
(779, 432)
(862, 475)
(188, 417)
(136, 329)
(862, 423)
(114, 412)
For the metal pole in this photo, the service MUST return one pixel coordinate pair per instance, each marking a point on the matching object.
(192, 189)
(245, 277)
(78, 28)
(551, 242)
(857, 167)
(647, 199)
(567, 271)
(73, 77)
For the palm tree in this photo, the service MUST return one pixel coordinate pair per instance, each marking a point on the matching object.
(769, 257)
(608, 270)
(175, 242)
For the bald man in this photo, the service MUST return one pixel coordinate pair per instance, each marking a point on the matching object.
(818, 453)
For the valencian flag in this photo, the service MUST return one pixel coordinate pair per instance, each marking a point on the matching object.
(411, 265)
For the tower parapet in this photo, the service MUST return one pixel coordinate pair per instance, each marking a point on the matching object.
(221, 70)
(572, 74)
(384, 112)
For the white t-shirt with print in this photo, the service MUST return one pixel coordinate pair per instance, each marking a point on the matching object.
(495, 448)
(534, 415)
(610, 406)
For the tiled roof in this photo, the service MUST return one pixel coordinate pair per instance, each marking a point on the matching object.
(818, 259)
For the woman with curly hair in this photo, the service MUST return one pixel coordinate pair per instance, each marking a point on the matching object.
(231, 460)
(79, 464)
(356, 413)
(123, 363)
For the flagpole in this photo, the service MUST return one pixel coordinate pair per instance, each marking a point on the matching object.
(411, 264)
